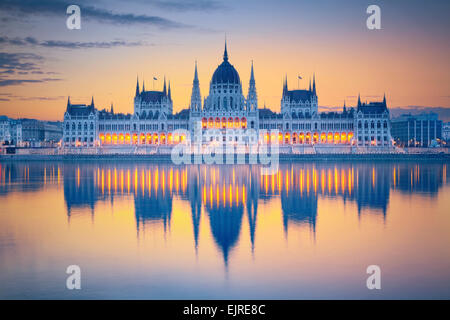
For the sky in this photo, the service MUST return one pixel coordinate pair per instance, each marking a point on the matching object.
(42, 62)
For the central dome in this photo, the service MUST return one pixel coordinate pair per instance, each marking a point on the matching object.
(225, 72)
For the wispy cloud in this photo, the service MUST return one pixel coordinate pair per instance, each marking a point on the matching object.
(14, 82)
(22, 64)
(11, 62)
(10, 97)
(185, 5)
(30, 41)
(58, 7)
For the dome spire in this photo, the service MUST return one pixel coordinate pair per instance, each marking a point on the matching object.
(225, 52)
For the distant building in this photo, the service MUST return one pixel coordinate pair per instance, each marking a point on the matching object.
(29, 132)
(226, 115)
(423, 130)
(10, 131)
(446, 132)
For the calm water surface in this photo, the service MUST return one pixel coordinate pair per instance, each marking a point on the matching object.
(140, 230)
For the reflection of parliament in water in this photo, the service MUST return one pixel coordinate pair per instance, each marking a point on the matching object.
(228, 194)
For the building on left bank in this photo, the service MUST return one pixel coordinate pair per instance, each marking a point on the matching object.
(29, 132)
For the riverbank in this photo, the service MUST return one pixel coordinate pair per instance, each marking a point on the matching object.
(163, 158)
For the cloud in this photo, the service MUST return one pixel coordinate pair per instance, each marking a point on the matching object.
(11, 97)
(58, 7)
(185, 5)
(40, 98)
(19, 61)
(69, 44)
(14, 82)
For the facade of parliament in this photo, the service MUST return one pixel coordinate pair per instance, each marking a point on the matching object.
(226, 115)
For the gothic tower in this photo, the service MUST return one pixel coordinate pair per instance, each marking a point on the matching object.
(252, 98)
(196, 99)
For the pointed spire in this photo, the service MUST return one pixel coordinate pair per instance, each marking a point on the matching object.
(195, 72)
(225, 52)
(196, 99)
(143, 86)
(169, 93)
(345, 108)
(164, 89)
(384, 99)
(285, 86)
(68, 101)
(359, 99)
(310, 84)
(112, 108)
(252, 75)
(137, 85)
(92, 101)
(314, 83)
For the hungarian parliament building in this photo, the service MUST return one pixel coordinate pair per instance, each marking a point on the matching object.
(226, 115)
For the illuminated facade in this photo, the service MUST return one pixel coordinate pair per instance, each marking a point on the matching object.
(226, 115)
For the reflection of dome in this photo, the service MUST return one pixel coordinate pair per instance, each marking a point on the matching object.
(225, 73)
